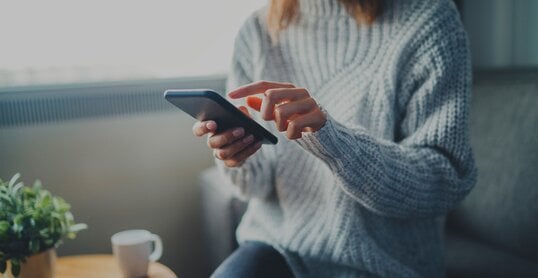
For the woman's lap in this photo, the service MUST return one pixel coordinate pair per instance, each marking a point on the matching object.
(254, 259)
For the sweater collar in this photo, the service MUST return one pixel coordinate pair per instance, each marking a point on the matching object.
(322, 7)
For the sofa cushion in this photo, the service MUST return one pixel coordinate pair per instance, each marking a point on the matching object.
(502, 210)
(462, 260)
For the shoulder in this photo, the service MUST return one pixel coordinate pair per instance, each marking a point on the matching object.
(419, 21)
(419, 11)
(429, 32)
(434, 47)
(253, 33)
(250, 42)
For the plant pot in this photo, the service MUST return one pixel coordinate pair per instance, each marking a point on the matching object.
(39, 265)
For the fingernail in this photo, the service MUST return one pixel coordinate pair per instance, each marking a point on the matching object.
(249, 139)
(211, 125)
(238, 132)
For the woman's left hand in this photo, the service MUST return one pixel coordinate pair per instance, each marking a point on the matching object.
(292, 109)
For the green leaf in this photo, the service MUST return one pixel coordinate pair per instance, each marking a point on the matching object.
(37, 184)
(69, 216)
(29, 193)
(6, 200)
(78, 227)
(4, 227)
(31, 219)
(46, 201)
(14, 179)
(71, 235)
(15, 268)
(34, 246)
(17, 187)
(15, 271)
(49, 242)
(44, 233)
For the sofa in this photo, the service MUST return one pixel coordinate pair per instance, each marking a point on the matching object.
(493, 232)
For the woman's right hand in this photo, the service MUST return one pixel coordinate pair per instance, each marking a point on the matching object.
(232, 146)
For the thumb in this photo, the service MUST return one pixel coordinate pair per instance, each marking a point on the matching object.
(254, 103)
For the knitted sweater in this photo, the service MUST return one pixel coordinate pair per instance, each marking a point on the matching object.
(365, 195)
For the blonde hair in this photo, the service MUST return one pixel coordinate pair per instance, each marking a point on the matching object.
(283, 12)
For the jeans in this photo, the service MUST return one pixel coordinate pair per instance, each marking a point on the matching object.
(254, 259)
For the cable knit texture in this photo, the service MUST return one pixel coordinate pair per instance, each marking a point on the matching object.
(366, 195)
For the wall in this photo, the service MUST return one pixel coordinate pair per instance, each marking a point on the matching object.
(121, 172)
(503, 33)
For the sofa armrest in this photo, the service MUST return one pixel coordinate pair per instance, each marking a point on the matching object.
(221, 212)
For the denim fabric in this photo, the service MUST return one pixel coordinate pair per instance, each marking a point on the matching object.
(254, 259)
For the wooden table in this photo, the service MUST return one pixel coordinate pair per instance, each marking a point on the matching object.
(105, 266)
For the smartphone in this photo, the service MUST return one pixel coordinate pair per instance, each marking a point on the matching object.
(205, 105)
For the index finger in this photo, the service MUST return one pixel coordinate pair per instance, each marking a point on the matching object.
(257, 88)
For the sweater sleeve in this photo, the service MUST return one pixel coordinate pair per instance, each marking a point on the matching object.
(254, 178)
(431, 167)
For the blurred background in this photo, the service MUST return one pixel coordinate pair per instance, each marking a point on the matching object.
(81, 105)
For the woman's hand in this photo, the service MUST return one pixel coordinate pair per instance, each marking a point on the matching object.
(232, 146)
(292, 109)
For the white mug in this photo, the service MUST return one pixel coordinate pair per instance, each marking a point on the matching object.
(132, 249)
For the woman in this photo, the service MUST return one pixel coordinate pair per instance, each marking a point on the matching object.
(370, 99)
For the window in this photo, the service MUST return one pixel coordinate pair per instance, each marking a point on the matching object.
(64, 41)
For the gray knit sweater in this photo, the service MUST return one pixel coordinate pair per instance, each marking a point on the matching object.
(366, 195)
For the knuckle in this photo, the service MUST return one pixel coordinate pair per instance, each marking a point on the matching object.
(282, 113)
(266, 117)
(271, 94)
(279, 112)
(289, 135)
(215, 154)
(222, 140)
(229, 138)
(311, 101)
(196, 129)
(292, 125)
(210, 143)
(231, 163)
(221, 154)
(293, 134)
(287, 84)
(304, 92)
(254, 148)
(215, 141)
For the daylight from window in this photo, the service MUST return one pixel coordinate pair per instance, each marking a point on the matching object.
(54, 42)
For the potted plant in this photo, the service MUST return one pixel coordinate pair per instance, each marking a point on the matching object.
(32, 223)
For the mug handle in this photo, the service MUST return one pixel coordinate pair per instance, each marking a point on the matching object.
(158, 252)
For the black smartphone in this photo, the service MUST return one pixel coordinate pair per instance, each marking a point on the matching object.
(205, 105)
